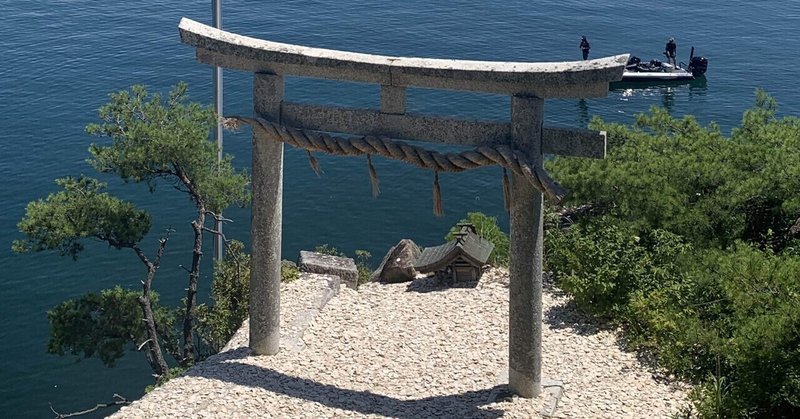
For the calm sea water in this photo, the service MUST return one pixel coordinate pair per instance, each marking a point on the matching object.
(62, 57)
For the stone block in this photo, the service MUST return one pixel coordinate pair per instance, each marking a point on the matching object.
(319, 263)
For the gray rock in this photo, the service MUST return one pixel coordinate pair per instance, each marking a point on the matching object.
(319, 263)
(398, 264)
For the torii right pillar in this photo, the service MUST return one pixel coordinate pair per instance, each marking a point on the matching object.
(525, 268)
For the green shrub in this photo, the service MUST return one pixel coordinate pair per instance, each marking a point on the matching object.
(327, 249)
(724, 313)
(733, 325)
(754, 310)
(289, 272)
(487, 228)
(728, 320)
(230, 293)
(362, 264)
(676, 175)
(173, 372)
(603, 263)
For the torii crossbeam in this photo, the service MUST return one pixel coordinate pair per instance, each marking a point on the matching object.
(528, 84)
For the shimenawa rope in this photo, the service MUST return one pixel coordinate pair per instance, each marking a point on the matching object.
(314, 141)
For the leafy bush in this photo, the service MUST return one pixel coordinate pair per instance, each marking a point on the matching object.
(101, 324)
(691, 245)
(289, 272)
(603, 263)
(739, 320)
(673, 174)
(230, 293)
(327, 249)
(362, 264)
(173, 372)
(487, 228)
(728, 320)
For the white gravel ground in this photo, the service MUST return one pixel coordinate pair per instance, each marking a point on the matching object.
(413, 350)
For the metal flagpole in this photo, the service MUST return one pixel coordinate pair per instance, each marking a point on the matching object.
(216, 17)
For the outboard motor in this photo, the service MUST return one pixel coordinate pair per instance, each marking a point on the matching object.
(698, 66)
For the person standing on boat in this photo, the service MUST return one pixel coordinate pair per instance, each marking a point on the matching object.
(670, 52)
(585, 47)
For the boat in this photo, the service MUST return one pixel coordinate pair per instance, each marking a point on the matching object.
(657, 71)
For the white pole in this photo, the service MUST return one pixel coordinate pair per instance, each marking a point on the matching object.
(216, 16)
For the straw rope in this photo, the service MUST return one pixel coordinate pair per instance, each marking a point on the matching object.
(313, 141)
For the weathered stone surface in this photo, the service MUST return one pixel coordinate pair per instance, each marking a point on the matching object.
(325, 287)
(265, 222)
(344, 268)
(587, 78)
(525, 267)
(398, 264)
(435, 129)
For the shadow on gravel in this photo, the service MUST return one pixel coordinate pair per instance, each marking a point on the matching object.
(569, 316)
(464, 405)
(432, 284)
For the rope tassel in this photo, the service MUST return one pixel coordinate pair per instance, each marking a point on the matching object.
(373, 178)
(506, 191)
(437, 196)
(314, 163)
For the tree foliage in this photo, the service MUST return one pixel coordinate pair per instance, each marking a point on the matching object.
(62, 222)
(154, 138)
(102, 325)
(691, 245)
(151, 139)
(673, 174)
(81, 210)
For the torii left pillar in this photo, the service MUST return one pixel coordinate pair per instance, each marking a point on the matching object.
(265, 226)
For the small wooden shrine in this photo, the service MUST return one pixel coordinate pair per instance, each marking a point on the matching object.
(460, 259)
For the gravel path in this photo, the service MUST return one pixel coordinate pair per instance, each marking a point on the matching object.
(413, 350)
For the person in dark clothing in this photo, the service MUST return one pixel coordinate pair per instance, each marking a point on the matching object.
(670, 52)
(585, 48)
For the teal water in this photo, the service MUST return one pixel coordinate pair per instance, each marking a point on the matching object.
(61, 58)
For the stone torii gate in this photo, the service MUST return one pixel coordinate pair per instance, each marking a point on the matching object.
(517, 146)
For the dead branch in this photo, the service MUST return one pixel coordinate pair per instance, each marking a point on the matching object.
(120, 401)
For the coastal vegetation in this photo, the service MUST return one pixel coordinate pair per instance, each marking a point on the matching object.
(158, 142)
(688, 240)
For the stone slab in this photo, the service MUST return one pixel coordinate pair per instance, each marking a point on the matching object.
(411, 127)
(292, 334)
(344, 268)
(588, 78)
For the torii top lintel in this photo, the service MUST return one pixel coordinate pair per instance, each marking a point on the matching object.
(570, 79)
